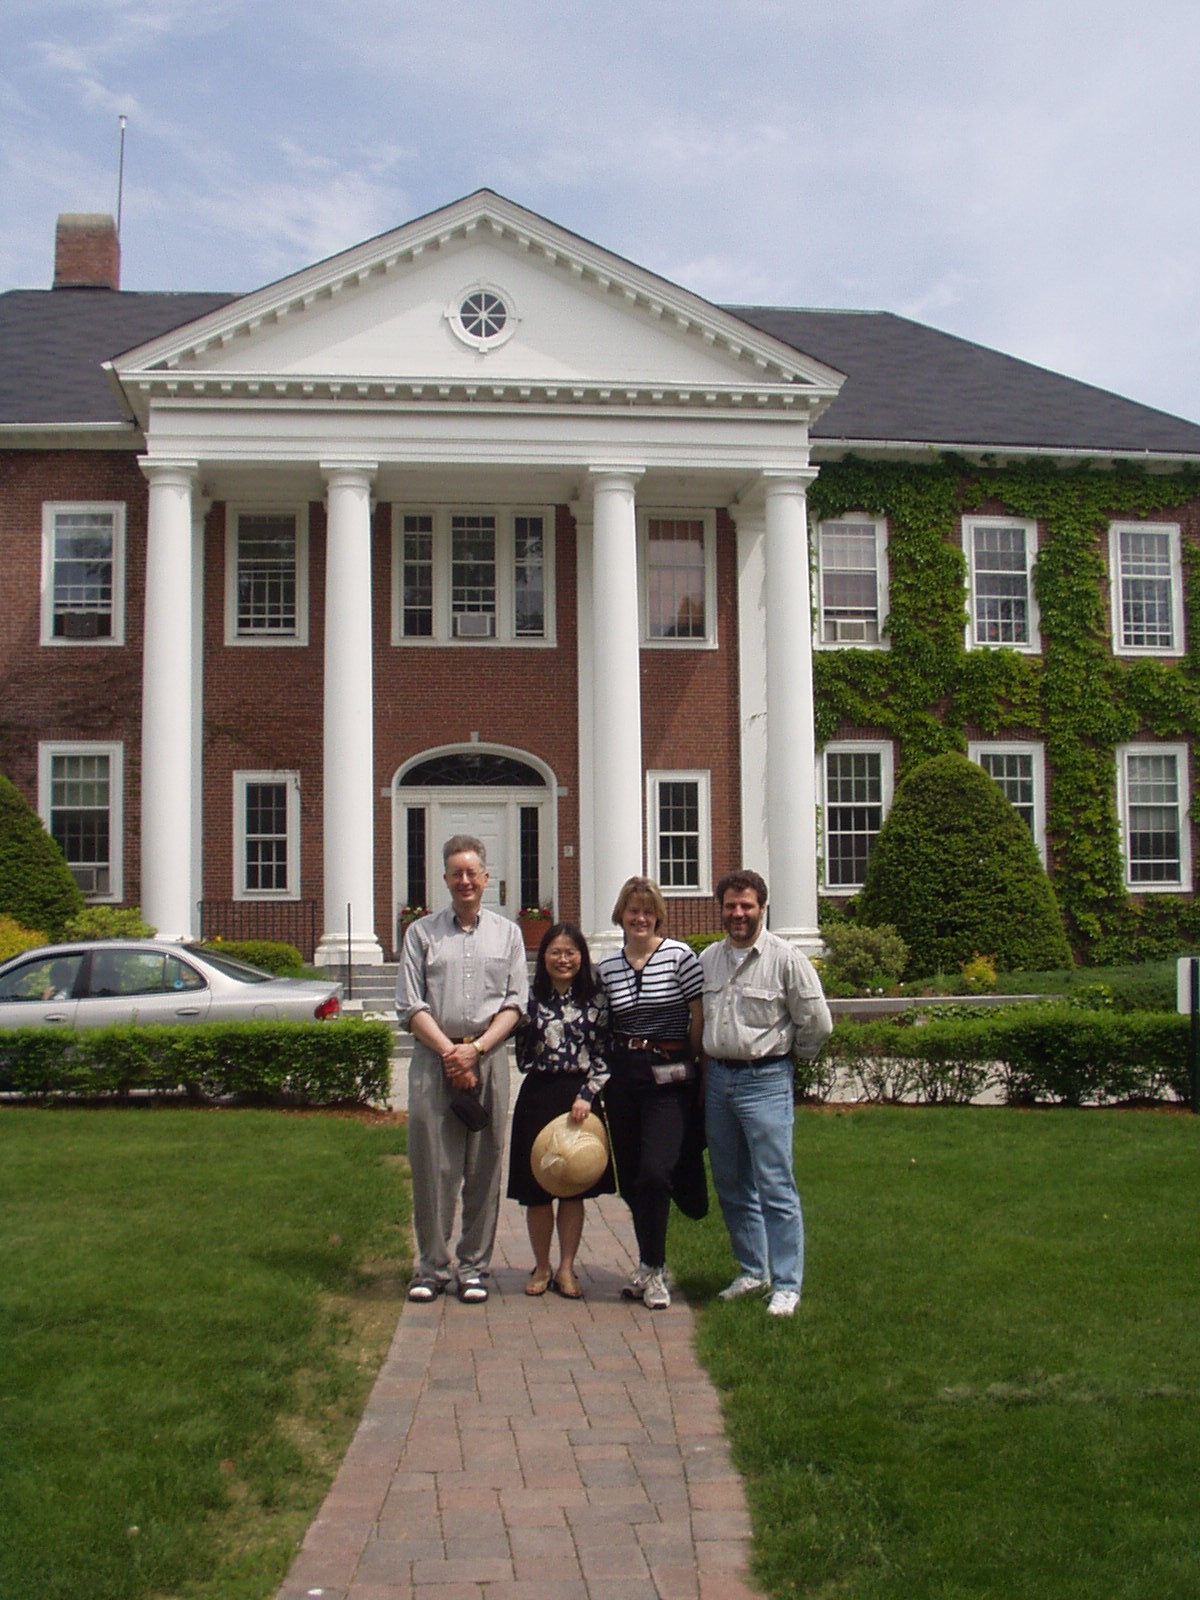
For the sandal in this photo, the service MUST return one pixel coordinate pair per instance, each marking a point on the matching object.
(472, 1290)
(423, 1290)
(567, 1285)
(538, 1283)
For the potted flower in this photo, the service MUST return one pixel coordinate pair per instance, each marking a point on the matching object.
(404, 916)
(534, 921)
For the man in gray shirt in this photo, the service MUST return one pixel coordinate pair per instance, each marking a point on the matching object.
(461, 990)
(762, 998)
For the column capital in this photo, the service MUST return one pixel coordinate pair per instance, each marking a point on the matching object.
(348, 474)
(626, 478)
(797, 480)
(178, 472)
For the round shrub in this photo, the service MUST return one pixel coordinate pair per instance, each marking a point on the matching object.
(36, 886)
(283, 960)
(109, 922)
(955, 871)
(859, 957)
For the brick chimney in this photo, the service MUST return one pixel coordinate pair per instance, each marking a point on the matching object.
(87, 253)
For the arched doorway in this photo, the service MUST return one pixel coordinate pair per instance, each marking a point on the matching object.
(502, 797)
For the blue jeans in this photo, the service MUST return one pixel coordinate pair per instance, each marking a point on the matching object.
(749, 1114)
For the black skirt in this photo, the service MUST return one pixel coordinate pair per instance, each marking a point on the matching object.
(544, 1096)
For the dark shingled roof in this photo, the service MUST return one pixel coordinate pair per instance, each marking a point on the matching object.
(52, 343)
(906, 381)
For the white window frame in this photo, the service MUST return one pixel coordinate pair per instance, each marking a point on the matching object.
(1033, 645)
(646, 515)
(115, 751)
(505, 624)
(978, 748)
(1171, 529)
(878, 525)
(1183, 811)
(261, 640)
(51, 511)
(887, 765)
(241, 781)
(703, 781)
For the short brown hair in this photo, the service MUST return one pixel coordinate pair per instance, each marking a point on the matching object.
(463, 844)
(743, 878)
(646, 889)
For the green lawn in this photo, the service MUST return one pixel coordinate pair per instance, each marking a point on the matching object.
(993, 1387)
(192, 1306)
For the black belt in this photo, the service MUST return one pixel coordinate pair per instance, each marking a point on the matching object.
(657, 1047)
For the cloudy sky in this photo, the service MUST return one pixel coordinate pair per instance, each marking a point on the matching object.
(1020, 172)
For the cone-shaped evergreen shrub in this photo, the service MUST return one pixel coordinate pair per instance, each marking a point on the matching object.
(956, 872)
(36, 886)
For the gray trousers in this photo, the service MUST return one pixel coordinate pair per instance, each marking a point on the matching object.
(446, 1161)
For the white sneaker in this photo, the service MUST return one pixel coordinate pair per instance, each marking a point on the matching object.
(783, 1303)
(638, 1279)
(657, 1297)
(744, 1283)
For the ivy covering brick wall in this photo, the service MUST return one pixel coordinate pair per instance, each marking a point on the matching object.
(929, 693)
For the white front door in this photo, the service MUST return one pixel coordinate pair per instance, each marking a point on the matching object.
(489, 823)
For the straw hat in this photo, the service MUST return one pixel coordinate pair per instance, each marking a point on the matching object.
(568, 1157)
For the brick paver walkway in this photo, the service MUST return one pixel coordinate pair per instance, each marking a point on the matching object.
(536, 1449)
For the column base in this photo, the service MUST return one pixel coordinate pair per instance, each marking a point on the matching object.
(807, 940)
(334, 947)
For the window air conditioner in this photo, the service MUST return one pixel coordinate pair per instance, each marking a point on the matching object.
(474, 625)
(848, 631)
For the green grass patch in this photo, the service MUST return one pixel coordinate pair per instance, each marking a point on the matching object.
(992, 1388)
(192, 1308)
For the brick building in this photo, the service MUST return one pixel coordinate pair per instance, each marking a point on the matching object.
(478, 527)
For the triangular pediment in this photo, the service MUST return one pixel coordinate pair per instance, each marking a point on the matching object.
(388, 311)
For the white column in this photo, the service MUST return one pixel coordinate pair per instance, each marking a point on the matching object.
(791, 723)
(585, 648)
(348, 752)
(167, 693)
(617, 782)
(752, 685)
(200, 508)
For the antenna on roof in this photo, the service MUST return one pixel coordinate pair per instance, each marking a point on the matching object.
(121, 120)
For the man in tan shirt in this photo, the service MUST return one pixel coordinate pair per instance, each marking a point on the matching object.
(762, 999)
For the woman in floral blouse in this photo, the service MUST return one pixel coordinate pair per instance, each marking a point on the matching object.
(561, 1047)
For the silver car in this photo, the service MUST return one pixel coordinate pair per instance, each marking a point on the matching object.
(94, 985)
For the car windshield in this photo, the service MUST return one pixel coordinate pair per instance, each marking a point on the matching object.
(241, 970)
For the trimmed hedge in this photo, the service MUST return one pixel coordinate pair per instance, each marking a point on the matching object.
(1033, 1055)
(304, 1063)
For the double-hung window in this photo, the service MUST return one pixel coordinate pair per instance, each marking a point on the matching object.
(678, 579)
(266, 562)
(856, 793)
(1000, 556)
(1152, 802)
(1147, 589)
(678, 808)
(83, 573)
(79, 801)
(266, 809)
(473, 576)
(1020, 770)
(851, 580)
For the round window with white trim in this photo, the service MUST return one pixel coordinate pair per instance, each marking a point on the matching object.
(482, 316)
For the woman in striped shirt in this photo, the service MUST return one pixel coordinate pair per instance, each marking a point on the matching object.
(654, 987)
